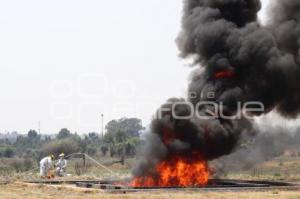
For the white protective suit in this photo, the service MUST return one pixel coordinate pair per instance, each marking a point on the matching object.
(61, 166)
(45, 165)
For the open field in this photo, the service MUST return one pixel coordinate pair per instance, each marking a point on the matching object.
(25, 191)
(282, 168)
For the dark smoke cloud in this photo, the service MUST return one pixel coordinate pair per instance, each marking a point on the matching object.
(265, 70)
(262, 63)
(285, 26)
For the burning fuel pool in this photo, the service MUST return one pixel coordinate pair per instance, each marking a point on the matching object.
(177, 171)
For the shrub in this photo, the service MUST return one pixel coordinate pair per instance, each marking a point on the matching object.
(19, 164)
(81, 169)
(67, 146)
(7, 151)
(91, 151)
(277, 174)
(104, 150)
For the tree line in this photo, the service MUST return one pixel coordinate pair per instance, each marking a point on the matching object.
(121, 139)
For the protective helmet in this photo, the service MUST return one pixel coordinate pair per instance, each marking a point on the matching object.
(62, 155)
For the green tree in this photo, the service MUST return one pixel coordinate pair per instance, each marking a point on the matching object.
(32, 134)
(131, 145)
(130, 126)
(64, 133)
(67, 146)
(91, 151)
(7, 151)
(122, 136)
(93, 136)
(104, 150)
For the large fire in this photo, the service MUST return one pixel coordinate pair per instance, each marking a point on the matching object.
(187, 170)
(177, 170)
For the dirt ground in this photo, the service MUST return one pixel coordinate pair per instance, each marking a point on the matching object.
(26, 191)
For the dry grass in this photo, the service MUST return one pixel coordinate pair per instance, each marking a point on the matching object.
(282, 168)
(278, 169)
(25, 191)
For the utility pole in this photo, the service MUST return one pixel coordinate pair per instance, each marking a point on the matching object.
(102, 128)
(39, 124)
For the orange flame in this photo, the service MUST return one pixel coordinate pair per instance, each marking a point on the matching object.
(224, 74)
(177, 171)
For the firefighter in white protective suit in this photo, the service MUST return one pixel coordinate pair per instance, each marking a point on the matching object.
(45, 165)
(61, 165)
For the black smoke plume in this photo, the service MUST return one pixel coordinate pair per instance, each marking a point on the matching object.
(239, 60)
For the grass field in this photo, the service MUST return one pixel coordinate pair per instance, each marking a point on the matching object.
(282, 168)
(25, 191)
